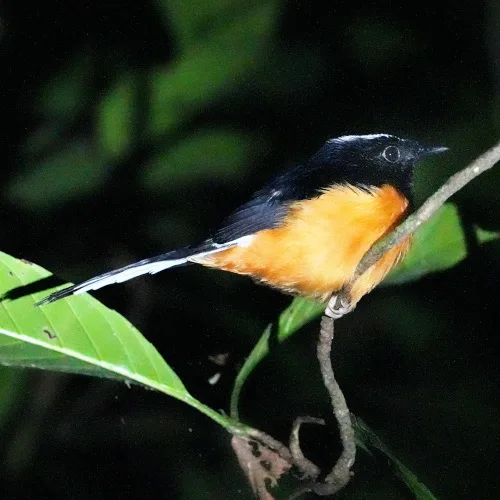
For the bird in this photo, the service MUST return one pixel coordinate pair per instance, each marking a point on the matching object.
(305, 232)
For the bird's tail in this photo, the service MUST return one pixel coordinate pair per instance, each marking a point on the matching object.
(152, 265)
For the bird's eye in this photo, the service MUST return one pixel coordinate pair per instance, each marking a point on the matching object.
(391, 154)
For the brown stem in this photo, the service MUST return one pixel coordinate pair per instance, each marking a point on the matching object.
(271, 443)
(340, 474)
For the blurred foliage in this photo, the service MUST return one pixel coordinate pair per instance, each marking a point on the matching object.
(115, 119)
(49, 185)
(211, 153)
(133, 129)
(209, 68)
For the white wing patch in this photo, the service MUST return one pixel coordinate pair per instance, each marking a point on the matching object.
(245, 241)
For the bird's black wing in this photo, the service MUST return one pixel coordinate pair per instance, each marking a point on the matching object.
(263, 211)
(268, 207)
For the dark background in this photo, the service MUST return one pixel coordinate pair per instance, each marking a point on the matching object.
(131, 129)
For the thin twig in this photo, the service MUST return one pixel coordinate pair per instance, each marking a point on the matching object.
(427, 210)
(306, 466)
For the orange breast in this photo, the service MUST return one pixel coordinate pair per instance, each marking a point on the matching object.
(317, 248)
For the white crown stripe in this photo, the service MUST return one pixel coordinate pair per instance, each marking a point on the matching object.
(347, 138)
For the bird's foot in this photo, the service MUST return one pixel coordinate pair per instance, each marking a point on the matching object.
(338, 306)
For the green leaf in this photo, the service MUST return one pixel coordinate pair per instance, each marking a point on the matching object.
(210, 69)
(485, 236)
(115, 116)
(80, 335)
(296, 315)
(437, 245)
(368, 440)
(75, 171)
(208, 153)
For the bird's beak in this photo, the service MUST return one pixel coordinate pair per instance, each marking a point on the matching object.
(431, 150)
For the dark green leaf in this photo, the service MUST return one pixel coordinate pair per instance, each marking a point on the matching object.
(296, 315)
(368, 440)
(193, 21)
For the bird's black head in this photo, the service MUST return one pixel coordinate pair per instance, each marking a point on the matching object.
(373, 160)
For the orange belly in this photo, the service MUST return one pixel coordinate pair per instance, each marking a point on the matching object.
(317, 248)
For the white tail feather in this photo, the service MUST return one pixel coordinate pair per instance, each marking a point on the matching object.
(152, 268)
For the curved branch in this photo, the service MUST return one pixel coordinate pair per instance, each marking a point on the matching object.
(308, 468)
(340, 474)
(427, 209)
